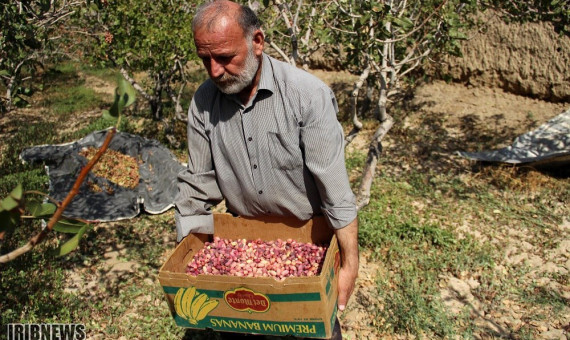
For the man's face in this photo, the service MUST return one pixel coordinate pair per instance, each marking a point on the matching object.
(229, 57)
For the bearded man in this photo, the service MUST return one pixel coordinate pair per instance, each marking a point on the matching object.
(264, 136)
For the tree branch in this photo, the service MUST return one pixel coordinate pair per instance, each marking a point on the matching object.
(357, 125)
(136, 85)
(280, 51)
(61, 207)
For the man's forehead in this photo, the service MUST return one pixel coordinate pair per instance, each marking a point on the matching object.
(220, 24)
(218, 43)
(227, 30)
(215, 46)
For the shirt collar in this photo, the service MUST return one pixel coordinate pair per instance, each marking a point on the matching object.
(266, 79)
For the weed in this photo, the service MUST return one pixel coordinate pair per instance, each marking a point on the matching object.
(73, 99)
(426, 219)
(540, 295)
(410, 306)
(12, 169)
(32, 290)
(109, 75)
(355, 160)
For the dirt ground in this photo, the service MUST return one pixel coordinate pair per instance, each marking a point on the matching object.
(508, 113)
(515, 67)
(490, 105)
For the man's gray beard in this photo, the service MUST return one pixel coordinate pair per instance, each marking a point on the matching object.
(230, 84)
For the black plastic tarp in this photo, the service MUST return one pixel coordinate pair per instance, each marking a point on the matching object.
(155, 192)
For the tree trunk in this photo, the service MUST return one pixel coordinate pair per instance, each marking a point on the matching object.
(363, 196)
(178, 109)
(156, 104)
(13, 82)
(356, 124)
(156, 108)
(375, 148)
(135, 85)
(9, 88)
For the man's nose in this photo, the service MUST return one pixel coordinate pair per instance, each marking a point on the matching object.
(216, 69)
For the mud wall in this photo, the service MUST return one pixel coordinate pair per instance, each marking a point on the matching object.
(529, 59)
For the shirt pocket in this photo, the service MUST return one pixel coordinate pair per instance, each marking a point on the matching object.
(284, 150)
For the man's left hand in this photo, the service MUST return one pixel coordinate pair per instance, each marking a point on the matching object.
(348, 242)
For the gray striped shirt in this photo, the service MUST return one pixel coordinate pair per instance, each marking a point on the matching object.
(281, 154)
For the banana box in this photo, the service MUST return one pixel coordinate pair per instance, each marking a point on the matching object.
(298, 306)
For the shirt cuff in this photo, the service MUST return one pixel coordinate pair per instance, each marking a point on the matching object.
(202, 224)
(339, 218)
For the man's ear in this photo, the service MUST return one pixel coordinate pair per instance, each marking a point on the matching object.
(258, 42)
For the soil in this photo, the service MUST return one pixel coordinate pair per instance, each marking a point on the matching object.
(492, 106)
(509, 112)
(512, 115)
(484, 100)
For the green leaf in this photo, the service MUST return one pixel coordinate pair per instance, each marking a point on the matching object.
(28, 91)
(404, 23)
(12, 201)
(20, 102)
(124, 96)
(40, 210)
(126, 91)
(69, 226)
(455, 34)
(4, 73)
(9, 220)
(72, 243)
(17, 192)
(8, 203)
(364, 18)
(107, 115)
(116, 108)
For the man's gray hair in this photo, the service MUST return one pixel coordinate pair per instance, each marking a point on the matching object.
(208, 13)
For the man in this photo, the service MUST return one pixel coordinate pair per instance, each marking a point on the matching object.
(264, 136)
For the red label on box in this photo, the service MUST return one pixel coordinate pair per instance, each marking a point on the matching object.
(246, 300)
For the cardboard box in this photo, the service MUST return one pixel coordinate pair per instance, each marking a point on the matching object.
(298, 306)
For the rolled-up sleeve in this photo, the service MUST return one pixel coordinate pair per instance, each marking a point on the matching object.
(198, 189)
(322, 140)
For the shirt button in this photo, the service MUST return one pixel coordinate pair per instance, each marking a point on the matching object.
(255, 166)
(249, 139)
(260, 192)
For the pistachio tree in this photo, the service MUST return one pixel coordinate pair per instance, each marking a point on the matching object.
(382, 41)
(153, 38)
(29, 34)
(294, 30)
(386, 40)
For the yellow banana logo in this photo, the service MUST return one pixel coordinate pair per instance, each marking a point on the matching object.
(193, 306)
